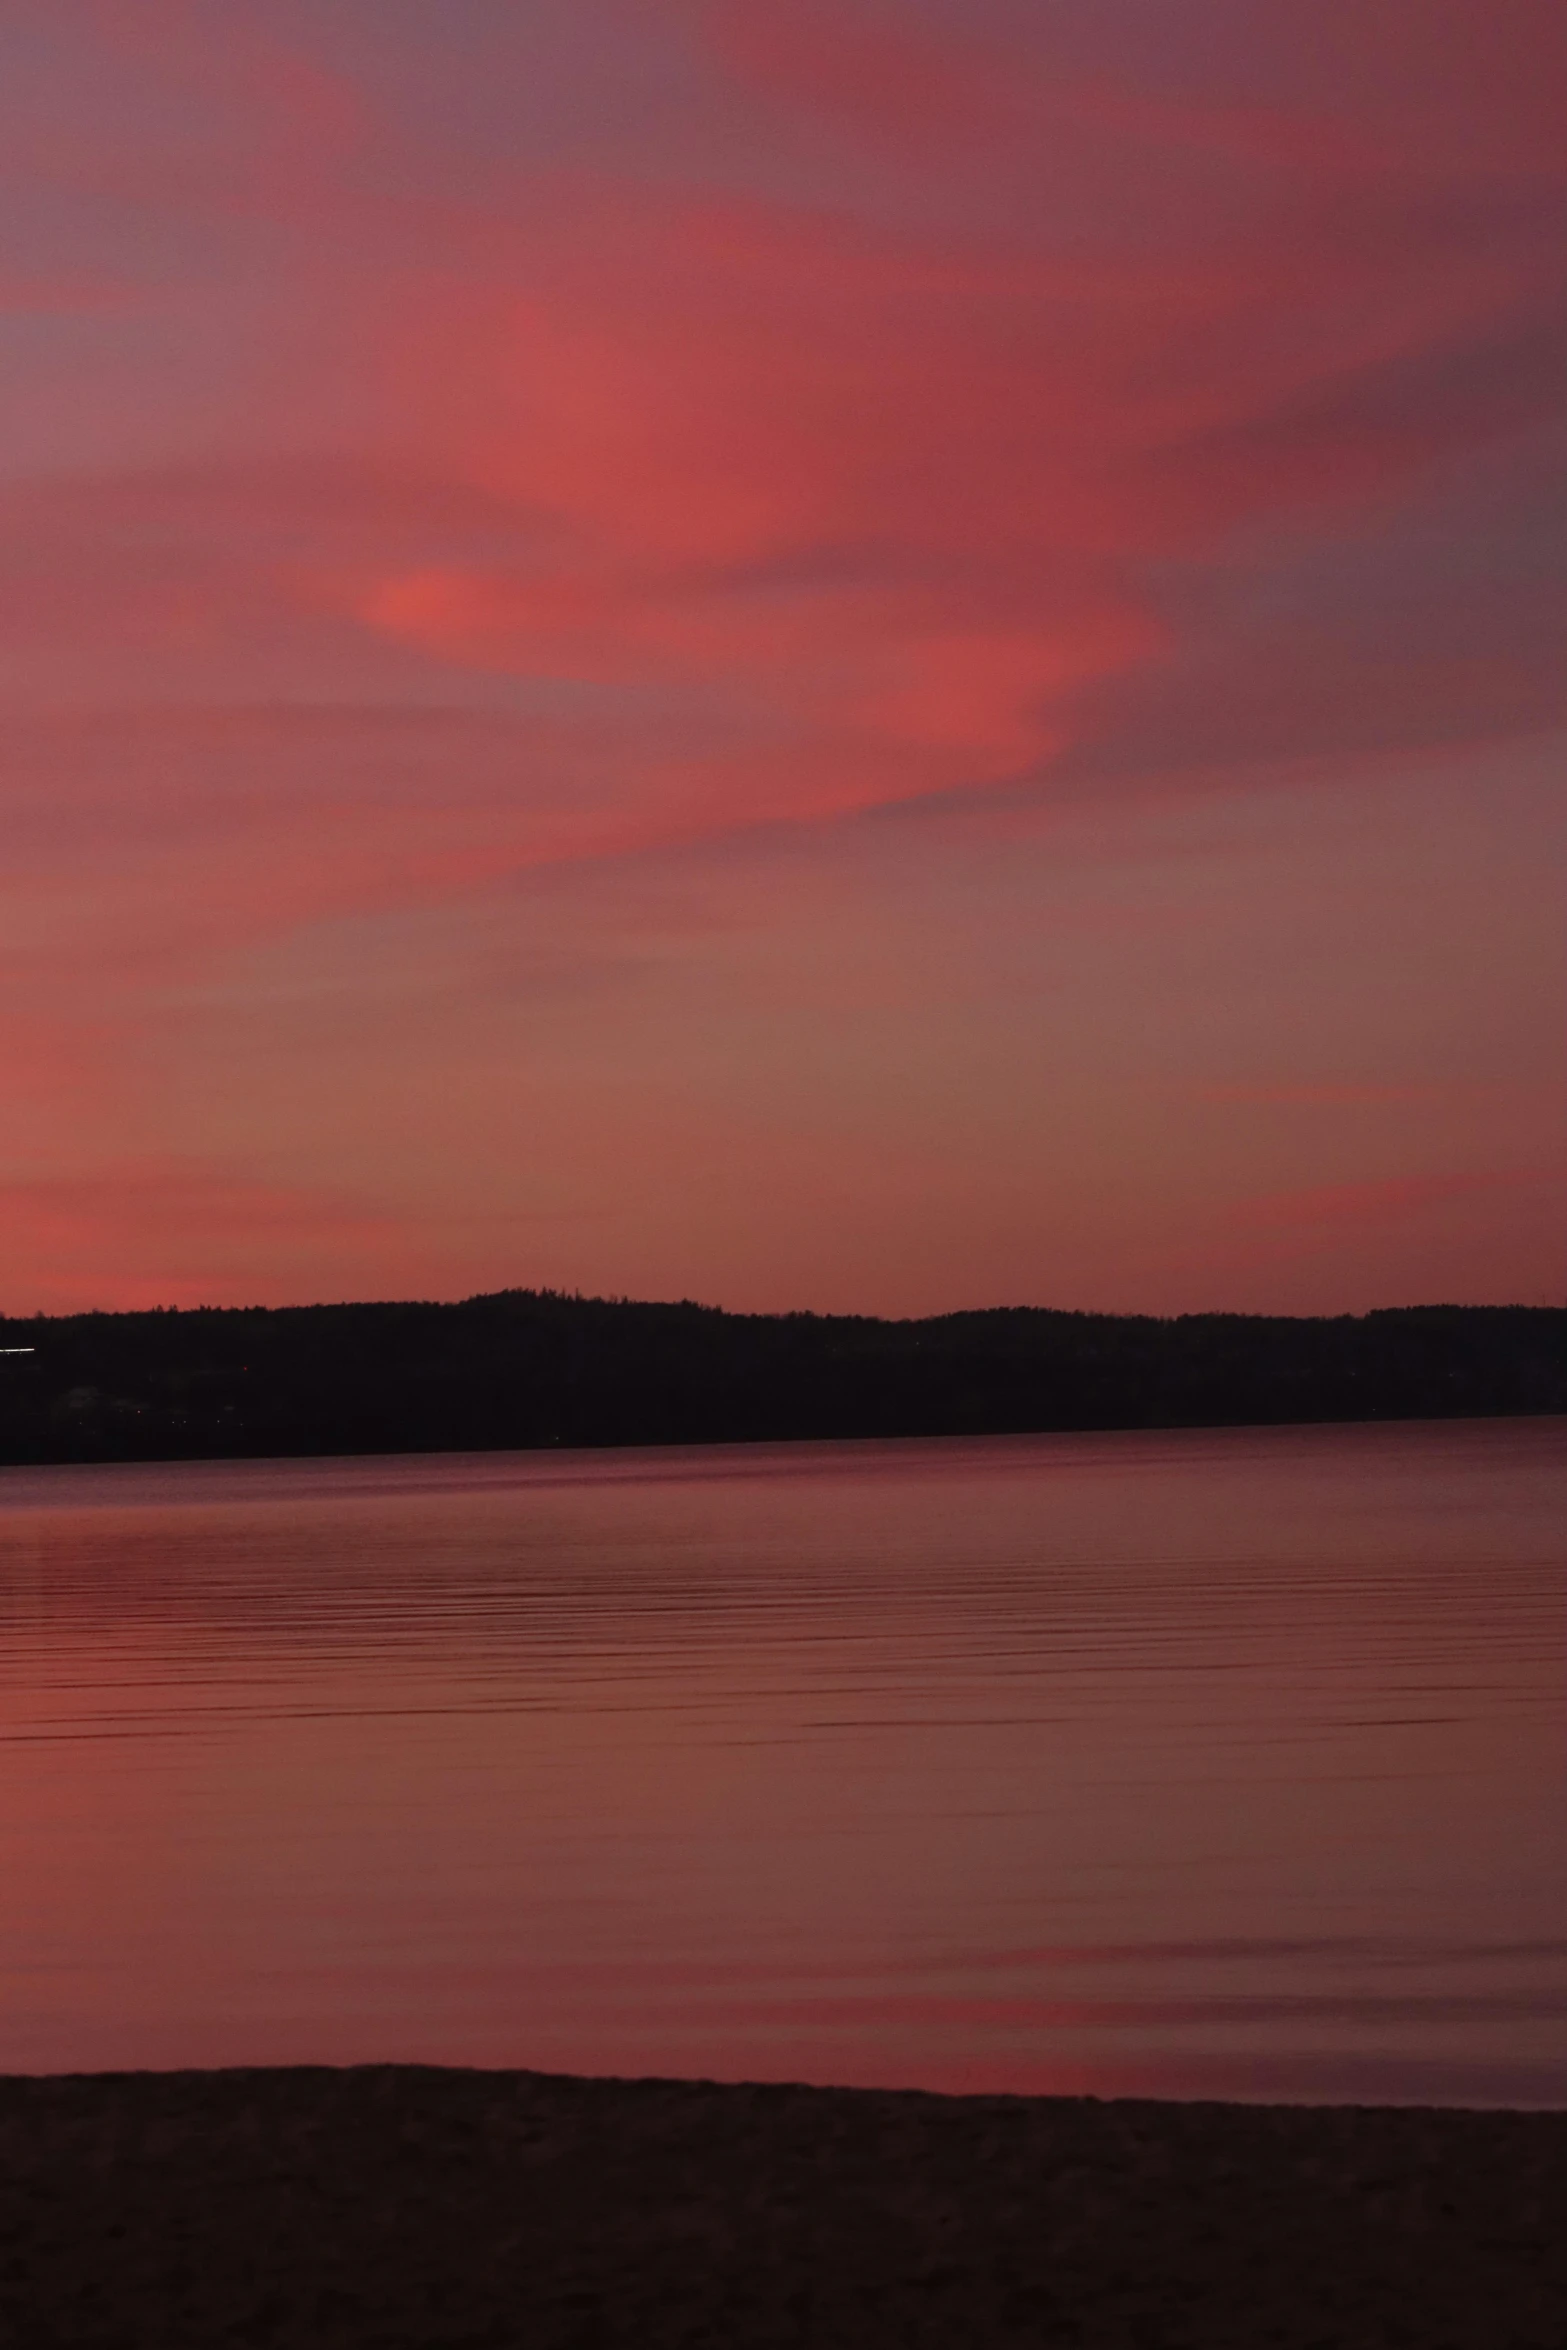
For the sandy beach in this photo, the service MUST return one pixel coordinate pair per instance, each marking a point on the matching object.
(399, 2206)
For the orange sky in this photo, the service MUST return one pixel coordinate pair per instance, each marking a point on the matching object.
(868, 656)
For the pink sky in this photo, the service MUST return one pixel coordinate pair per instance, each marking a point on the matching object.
(875, 656)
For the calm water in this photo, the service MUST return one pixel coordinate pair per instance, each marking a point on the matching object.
(1205, 1763)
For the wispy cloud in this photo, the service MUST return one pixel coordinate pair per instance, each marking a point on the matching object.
(447, 450)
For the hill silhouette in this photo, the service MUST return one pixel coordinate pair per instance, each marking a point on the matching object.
(528, 1368)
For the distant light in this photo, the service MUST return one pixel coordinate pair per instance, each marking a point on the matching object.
(18, 1350)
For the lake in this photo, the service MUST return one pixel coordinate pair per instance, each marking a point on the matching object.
(1203, 1763)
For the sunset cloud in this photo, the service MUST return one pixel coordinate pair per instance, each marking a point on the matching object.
(455, 465)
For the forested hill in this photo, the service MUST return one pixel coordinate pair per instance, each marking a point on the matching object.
(530, 1368)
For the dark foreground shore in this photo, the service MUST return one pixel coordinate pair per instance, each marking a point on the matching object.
(395, 2206)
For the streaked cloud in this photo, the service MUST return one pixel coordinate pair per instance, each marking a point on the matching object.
(803, 459)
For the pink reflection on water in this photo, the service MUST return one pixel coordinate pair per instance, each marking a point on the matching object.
(1210, 1763)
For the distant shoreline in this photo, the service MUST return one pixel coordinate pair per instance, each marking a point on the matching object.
(534, 1370)
(411, 2206)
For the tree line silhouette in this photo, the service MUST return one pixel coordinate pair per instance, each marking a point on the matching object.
(527, 1368)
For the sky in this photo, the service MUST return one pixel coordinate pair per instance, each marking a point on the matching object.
(878, 656)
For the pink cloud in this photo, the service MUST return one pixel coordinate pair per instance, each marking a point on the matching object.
(1399, 1199)
(869, 68)
(1317, 1097)
(1356, 88)
(989, 412)
(161, 1233)
(889, 489)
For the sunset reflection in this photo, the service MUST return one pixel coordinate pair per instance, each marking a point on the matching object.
(1218, 1764)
